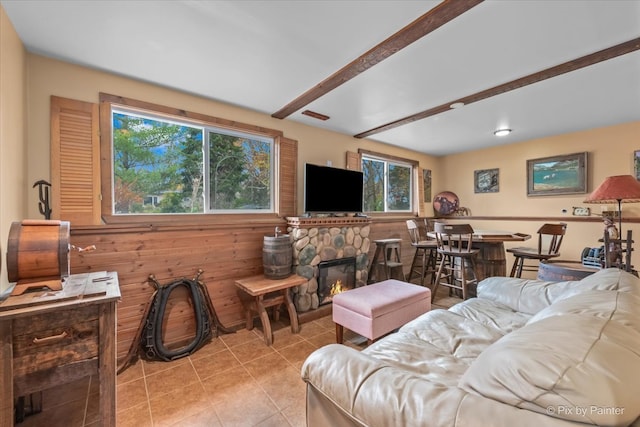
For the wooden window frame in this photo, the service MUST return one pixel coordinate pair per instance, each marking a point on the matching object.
(285, 160)
(417, 199)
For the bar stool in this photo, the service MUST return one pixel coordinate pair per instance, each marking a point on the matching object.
(458, 257)
(386, 259)
(425, 256)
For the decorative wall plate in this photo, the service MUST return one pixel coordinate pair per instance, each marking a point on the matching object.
(445, 203)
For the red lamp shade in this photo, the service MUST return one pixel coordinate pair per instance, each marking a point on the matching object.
(619, 188)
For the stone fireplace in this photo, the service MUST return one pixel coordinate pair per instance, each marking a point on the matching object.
(319, 240)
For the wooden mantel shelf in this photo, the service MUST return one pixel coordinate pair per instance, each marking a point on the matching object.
(329, 221)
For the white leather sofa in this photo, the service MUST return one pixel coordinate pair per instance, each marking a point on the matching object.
(523, 353)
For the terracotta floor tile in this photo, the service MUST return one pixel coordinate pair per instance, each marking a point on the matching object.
(311, 329)
(276, 420)
(229, 384)
(285, 389)
(267, 366)
(76, 390)
(285, 337)
(179, 403)
(69, 414)
(324, 339)
(205, 418)
(251, 350)
(175, 377)
(326, 322)
(153, 367)
(214, 364)
(296, 415)
(215, 346)
(297, 353)
(248, 409)
(131, 394)
(92, 413)
(241, 336)
(135, 416)
(132, 372)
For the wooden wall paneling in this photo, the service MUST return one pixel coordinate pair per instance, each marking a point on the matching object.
(224, 255)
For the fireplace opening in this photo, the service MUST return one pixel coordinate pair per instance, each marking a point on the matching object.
(335, 276)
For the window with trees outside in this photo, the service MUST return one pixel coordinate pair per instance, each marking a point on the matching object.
(387, 185)
(165, 166)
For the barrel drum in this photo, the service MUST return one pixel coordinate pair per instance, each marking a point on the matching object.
(38, 249)
(277, 256)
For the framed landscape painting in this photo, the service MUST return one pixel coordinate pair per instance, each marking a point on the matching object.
(557, 175)
(486, 181)
(636, 164)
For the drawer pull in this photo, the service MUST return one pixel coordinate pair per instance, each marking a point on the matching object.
(51, 338)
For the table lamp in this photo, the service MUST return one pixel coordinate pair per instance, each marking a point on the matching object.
(619, 188)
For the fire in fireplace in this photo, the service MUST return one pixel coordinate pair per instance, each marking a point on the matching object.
(335, 276)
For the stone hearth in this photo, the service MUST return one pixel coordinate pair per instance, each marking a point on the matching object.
(324, 239)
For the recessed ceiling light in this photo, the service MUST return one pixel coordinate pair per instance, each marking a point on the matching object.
(456, 105)
(502, 132)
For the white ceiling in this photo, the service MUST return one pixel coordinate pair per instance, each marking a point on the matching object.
(261, 55)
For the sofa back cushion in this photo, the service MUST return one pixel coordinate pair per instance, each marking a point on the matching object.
(531, 296)
(581, 365)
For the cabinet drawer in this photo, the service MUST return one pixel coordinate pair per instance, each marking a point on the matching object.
(49, 340)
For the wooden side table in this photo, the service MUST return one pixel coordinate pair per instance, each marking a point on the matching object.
(49, 338)
(258, 293)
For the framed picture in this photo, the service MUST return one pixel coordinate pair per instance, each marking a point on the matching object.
(636, 164)
(557, 175)
(426, 180)
(486, 181)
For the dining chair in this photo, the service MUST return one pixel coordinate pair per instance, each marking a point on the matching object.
(457, 268)
(424, 258)
(549, 241)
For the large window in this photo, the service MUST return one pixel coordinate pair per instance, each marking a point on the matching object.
(387, 185)
(166, 166)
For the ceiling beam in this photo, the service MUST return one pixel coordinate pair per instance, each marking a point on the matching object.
(430, 21)
(576, 64)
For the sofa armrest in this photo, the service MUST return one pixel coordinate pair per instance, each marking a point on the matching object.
(377, 393)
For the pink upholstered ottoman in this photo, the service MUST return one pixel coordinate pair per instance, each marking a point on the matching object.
(377, 309)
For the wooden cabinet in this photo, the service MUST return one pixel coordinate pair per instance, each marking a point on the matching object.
(51, 338)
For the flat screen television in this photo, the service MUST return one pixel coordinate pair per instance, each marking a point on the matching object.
(332, 190)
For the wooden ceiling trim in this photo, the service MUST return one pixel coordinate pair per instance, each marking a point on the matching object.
(430, 21)
(584, 61)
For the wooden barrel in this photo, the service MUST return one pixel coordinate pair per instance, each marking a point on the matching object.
(38, 249)
(560, 271)
(277, 255)
(491, 260)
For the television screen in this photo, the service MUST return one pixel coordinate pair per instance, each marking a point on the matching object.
(332, 190)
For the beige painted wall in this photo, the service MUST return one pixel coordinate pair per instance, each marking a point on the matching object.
(610, 153)
(50, 77)
(13, 188)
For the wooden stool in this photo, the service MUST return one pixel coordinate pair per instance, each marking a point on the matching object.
(259, 293)
(386, 259)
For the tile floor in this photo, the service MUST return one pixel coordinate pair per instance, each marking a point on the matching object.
(235, 380)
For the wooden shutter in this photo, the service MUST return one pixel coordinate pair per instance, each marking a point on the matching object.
(75, 161)
(420, 180)
(287, 176)
(354, 161)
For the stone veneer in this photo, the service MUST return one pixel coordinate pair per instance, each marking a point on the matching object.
(324, 239)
